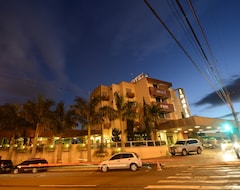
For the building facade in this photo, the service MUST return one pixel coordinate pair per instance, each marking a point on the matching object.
(144, 90)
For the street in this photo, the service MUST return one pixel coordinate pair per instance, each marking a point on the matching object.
(209, 170)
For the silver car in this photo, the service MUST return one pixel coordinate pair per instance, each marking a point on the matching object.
(186, 146)
(122, 160)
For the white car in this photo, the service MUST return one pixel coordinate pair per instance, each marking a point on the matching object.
(122, 160)
(186, 146)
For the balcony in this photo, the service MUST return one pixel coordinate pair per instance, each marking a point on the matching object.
(166, 108)
(130, 95)
(105, 98)
(159, 92)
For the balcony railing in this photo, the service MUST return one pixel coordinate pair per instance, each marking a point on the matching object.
(159, 92)
(167, 108)
(105, 97)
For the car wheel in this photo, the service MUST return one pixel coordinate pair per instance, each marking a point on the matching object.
(199, 150)
(34, 170)
(184, 152)
(104, 168)
(133, 167)
(15, 171)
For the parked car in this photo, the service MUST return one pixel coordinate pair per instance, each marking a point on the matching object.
(122, 160)
(209, 142)
(6, 166)
(186, 146)
(33, 165)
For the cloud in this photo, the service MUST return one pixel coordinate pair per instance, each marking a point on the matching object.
(32, 59)
(213, 99)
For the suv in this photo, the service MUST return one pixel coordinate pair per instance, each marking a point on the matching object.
(33, 165)
(123, 160)
(6, 166)
(186, 146)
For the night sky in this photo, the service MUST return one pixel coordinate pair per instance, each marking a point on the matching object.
(65, 48)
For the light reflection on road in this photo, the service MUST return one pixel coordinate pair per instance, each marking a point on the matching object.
(228, 155)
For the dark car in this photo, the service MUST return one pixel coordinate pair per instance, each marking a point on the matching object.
(6, 166)
(33, 165)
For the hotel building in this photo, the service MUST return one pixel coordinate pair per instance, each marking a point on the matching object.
(172, 102)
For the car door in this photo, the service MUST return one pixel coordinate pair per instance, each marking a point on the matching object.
(191, 144)
(126, 160)
(115, 162)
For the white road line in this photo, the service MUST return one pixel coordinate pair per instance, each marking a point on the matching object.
(199, 181)
(179, 177)
(65, 186)
(183, 174)
(236, 187)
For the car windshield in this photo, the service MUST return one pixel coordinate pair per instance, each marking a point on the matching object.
(180, 142)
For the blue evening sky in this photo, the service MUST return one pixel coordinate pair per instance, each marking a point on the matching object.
(65, 48)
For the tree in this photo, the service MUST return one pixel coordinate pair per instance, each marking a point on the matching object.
(106, 114)
(87, 115)
(39, 114)
(152, 115)
(10, 121)
(62, 120)
(125, 110)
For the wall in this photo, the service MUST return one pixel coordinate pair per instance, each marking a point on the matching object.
(76, 155)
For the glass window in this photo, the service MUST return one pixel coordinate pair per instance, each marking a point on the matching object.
(150, 143)
(118, 156)
(127, 156)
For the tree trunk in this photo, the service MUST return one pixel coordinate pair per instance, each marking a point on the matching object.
(59, 153)
(89, 156)
(102, 139)
(122, 137)
(11, 148)
(34, 147)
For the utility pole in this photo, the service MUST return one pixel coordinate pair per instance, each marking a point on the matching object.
(235, 135)
(233, 112)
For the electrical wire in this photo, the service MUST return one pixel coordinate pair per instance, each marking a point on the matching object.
(179, 44)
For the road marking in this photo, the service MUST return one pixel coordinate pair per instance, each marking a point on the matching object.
(199, 181)
(191, 187)
(65, 186)
(179, 177)
(187, 180)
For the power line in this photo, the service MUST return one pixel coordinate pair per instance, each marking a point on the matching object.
(179, 44)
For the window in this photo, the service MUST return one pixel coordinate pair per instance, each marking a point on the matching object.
(127, 156)
(150, 143)
(116, 157)
(192, 142)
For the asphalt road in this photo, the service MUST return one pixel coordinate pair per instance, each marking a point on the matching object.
(212, 169)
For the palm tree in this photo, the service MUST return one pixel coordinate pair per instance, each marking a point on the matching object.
(10, 121)
(39, 115)
(125, 111)
(87, 115)
(152, 114)
(62, 121)
(106, 114)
